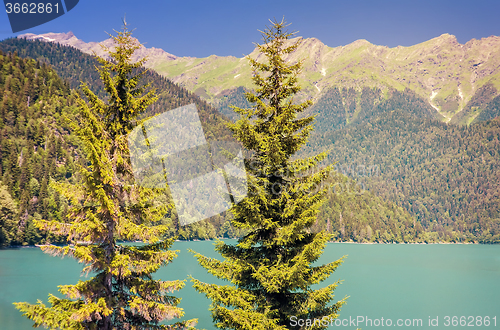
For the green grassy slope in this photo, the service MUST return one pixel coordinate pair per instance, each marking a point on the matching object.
(441, 71)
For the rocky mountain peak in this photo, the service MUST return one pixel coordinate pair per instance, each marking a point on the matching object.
(311, 42)
(443, 41)
(446, 36)
(154, 55)
(360, 43)
(51, 37)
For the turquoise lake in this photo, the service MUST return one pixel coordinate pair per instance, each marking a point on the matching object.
(412, 284)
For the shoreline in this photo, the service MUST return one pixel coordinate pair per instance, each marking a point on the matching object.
(360, 243)
(416, 243)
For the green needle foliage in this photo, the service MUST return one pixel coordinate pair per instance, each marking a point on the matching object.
(107, 207)
(270, 268)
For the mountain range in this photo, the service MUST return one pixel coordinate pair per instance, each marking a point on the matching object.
(405, 172)
(458, 80)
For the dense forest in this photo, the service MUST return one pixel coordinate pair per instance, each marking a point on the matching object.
(402, 175)
(36, 144)
(396, 148)
(75, 67)
(446, 175)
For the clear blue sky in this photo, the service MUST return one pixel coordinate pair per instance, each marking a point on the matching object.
(201, 28)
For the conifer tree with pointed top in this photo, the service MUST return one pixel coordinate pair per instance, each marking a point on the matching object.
(270, 269)
(107, 207)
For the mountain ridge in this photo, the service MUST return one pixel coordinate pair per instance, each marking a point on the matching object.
(441, 71)
(69, 39)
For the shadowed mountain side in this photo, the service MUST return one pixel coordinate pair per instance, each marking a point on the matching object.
(447, 176)
(483, 99)
(75, 67)
(492, 110)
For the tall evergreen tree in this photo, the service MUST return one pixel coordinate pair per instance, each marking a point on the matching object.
(107, 207)
(270, 268)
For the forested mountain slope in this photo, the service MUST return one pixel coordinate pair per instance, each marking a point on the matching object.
(76, 67)
(445, 175)
(36, 143)
(55, 152)
(36, 146)
(412, 178)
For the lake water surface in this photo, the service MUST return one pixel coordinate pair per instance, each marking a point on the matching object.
(412, 284)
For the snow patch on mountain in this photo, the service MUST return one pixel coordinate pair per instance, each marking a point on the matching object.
(433, 95)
